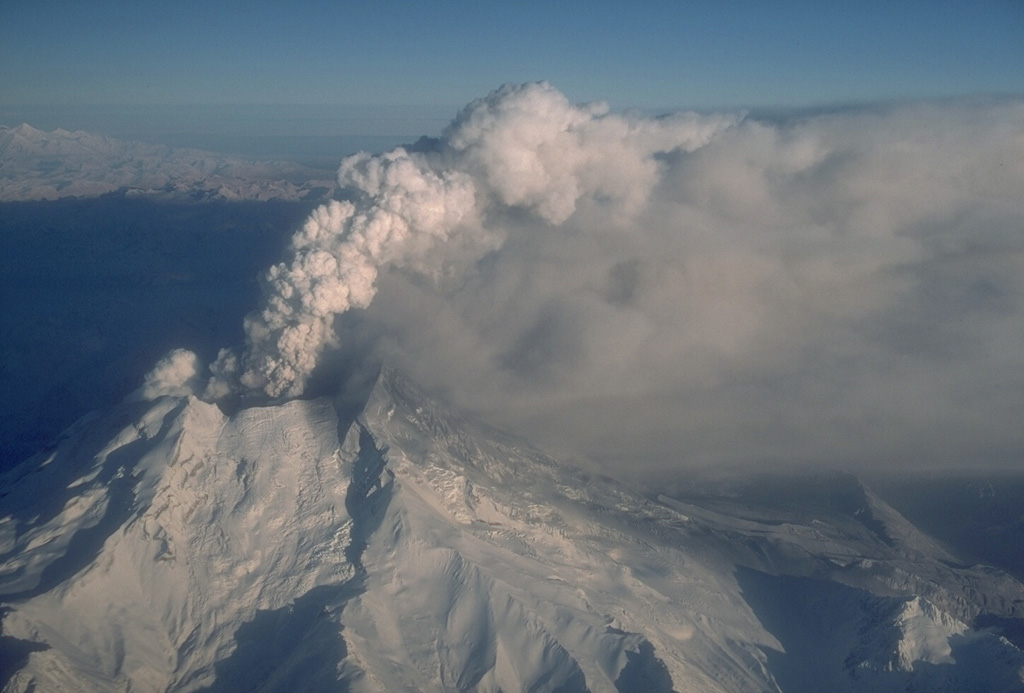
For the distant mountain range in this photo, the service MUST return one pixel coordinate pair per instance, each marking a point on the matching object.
(382, 543)
(38, 165)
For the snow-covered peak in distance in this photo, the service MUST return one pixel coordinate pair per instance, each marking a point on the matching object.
(166, 546)
(39, 165)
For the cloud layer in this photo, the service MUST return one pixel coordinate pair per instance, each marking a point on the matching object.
(843, 288)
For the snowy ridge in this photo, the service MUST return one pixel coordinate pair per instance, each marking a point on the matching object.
(38, 165)
(168, 546)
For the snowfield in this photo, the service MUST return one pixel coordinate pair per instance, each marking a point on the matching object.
(393, 545)
(39, 165)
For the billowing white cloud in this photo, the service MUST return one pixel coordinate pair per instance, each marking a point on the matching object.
(843, 288)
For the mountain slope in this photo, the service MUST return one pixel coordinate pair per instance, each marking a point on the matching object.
(167, 546)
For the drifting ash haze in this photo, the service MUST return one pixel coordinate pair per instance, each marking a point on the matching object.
(842, 288)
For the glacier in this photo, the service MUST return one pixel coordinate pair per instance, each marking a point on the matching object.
(379, 541)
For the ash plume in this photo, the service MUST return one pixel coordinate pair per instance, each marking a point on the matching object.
(523, 146)
(842, 287)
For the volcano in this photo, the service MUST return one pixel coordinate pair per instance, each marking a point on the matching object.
(381, 542)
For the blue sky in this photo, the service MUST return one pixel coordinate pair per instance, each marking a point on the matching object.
(384, 67)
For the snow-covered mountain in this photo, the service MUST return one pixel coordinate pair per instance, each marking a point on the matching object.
(39, 165)
(392, 545)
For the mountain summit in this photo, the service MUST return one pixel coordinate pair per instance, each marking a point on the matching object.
(312, 545)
